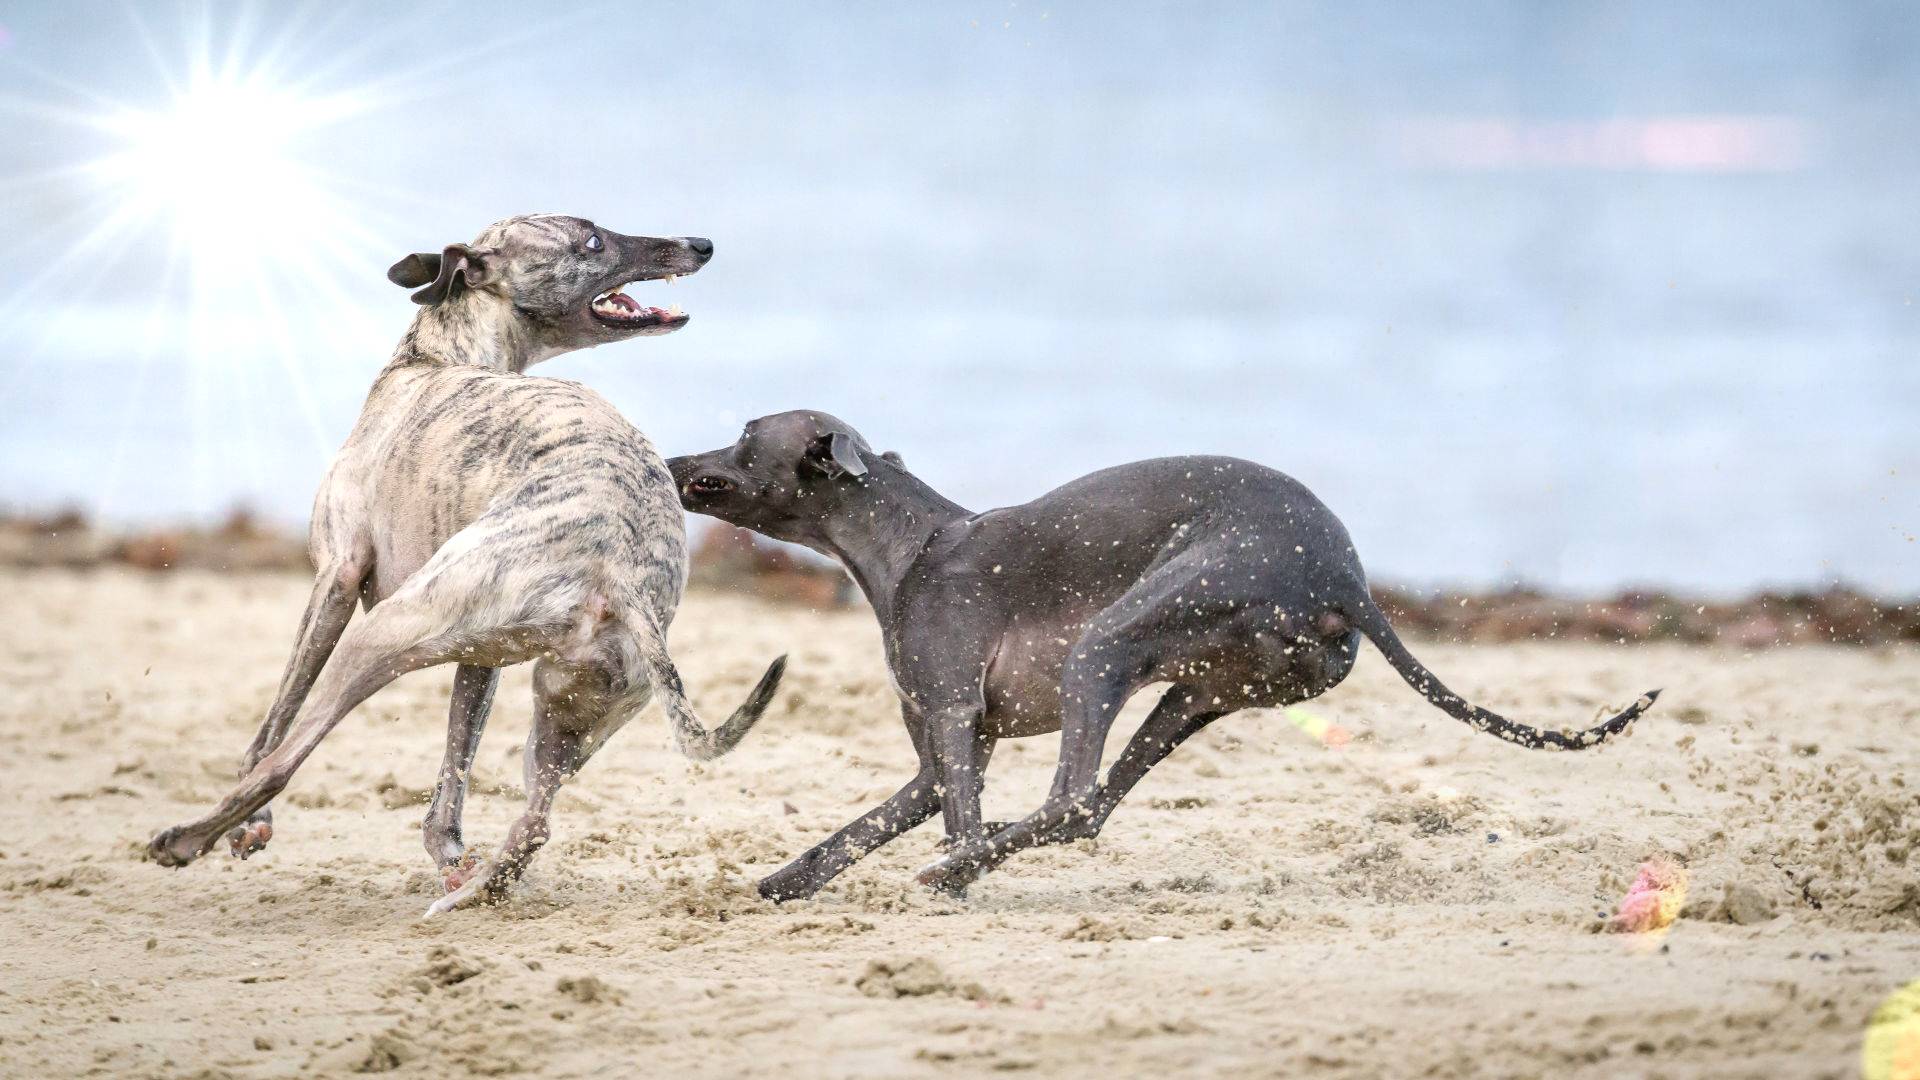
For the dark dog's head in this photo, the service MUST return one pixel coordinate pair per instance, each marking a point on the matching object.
(785, 474)
(562, 276)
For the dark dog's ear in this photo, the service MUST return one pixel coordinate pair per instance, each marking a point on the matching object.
(893, 456)
(444, 275)
(415, 270)
(835, 455)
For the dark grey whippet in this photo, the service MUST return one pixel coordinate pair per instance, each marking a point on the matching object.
(486, 517)
(1224, 578)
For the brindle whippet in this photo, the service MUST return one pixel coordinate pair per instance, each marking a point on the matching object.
(485, 517)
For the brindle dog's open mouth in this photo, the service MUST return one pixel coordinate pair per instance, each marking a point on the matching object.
(615, 308)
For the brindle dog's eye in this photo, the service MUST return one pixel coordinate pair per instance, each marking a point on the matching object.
(593, 241)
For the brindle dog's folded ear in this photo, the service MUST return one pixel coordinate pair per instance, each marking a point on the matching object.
(836, 455)
(444, 275)
(415, 270)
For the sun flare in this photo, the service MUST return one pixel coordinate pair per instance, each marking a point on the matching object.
(212, 192)
(221, 160)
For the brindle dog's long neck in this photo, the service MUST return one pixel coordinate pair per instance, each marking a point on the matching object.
(476, 328)
(878, 535)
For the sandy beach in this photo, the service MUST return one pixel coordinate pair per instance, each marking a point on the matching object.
(1420, 901)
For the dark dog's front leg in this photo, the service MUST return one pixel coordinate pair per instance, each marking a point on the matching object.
(905, 810)
(1177, 717)
(960, 754)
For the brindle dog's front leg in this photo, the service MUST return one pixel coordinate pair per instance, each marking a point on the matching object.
(329, 609)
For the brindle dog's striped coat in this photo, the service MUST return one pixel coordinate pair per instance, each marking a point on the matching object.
(487, 518)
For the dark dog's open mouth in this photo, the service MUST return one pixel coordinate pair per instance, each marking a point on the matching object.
(615, 308)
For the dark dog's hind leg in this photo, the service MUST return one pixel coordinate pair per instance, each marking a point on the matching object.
(1170, 625)
(1110, 662)
(1177, 717)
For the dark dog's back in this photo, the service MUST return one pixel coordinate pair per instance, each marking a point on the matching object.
(1086, 542)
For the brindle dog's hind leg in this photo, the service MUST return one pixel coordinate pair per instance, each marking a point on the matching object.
(335, 591)
(403, 633)
(576, 709)
(473, 688)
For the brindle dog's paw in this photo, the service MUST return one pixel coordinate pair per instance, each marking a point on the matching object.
(458, 873)
(165, 848)
(245, 839)
(479, 885)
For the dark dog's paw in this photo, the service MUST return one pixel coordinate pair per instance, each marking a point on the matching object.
(165, 848)
(949, 876)
(784, 886)
(795, 881)
(988, 828)
(1074, 828)
(248, 838)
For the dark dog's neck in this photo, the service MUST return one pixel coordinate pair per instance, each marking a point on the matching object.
(476, 328)
(881, 527)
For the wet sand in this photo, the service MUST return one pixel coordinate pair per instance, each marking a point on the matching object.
(1421, 901)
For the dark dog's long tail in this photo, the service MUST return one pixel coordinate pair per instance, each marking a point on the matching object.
(1371, 621)
(694, 738)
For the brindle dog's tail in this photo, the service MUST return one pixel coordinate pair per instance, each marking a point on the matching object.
(1367, 617)
(693, 737)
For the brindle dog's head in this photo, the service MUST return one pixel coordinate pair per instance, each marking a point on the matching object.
(785, 474)
(563, 276)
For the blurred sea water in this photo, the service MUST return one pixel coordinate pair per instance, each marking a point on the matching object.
(1558, 354)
